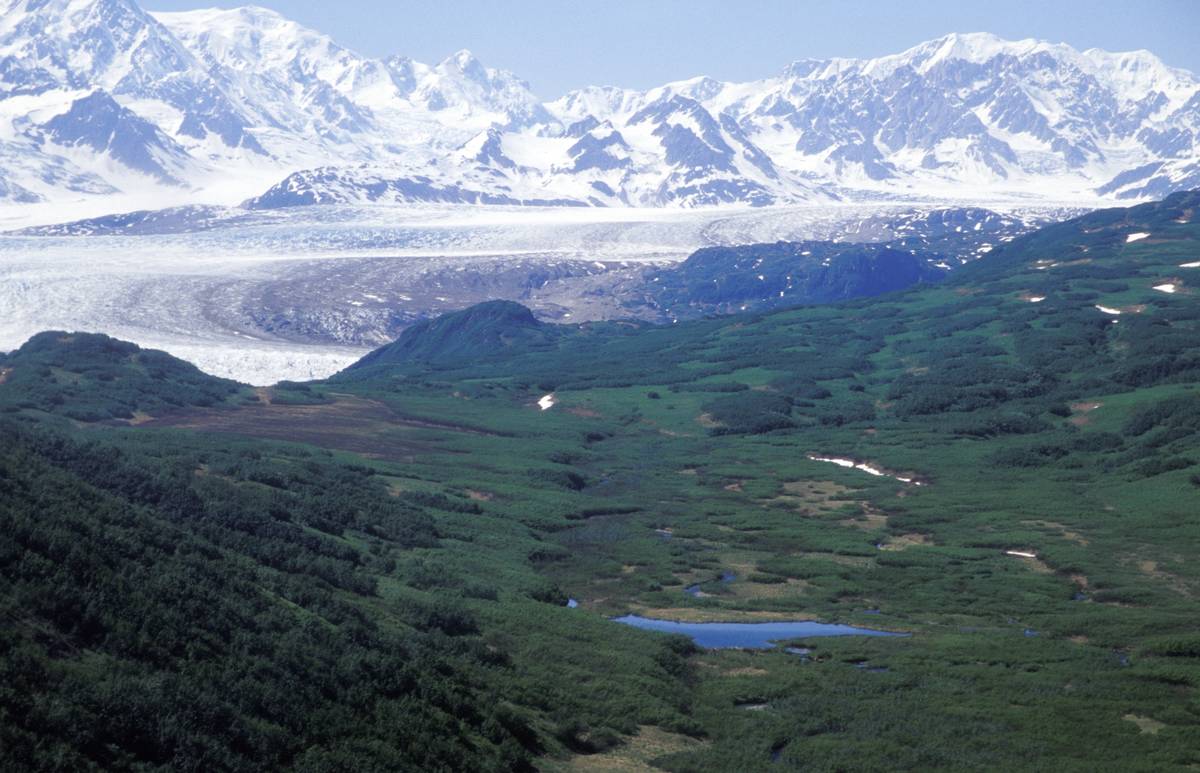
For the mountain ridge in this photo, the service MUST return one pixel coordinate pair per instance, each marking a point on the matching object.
(252, 99)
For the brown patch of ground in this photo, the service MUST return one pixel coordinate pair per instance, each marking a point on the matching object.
(689, 471)
(1036, 564)
(264, 394)
(1080, 413)
(353, 424)
(770, 590)
(628, 568)
(870, 520)
(1062, 530)
(1080, 580)
(1146, 725)
(1174, 581)
(707, 421)
(735, 486)
(746, 671)
(586, 413)
(1078, 639)
(634, 756)
(812, 497)
(480, 496)
(837, 558)
(905, 541)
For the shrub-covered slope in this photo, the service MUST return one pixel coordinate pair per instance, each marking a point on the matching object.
(91, 377)
(760, 277)
(1023, 505)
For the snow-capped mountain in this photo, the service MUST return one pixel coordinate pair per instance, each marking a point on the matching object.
(105, 105)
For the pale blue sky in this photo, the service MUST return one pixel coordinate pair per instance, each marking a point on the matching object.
(560, 45)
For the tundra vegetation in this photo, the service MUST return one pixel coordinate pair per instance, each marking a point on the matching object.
(371, 572)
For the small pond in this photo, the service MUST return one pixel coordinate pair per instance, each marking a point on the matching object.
(748, 635)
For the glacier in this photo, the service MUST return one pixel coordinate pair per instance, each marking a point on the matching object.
(299, 293)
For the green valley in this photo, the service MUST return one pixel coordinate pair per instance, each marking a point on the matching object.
(372, 572)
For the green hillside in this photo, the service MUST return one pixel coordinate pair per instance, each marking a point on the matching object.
(375, 576)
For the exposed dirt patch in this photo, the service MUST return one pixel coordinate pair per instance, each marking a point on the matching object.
(746, 671)
(1147, 725)
(1080, 413)
(480, 496)
(812, 497)
(707, 421)
(586, 413)
(1063, 531)
(905, 541)
(1078, 639)
(1174, 581)
(870, 519)
(635, 755)
(265, 394)
(1034, 563)
(771, 590)
(735, 486)
(860, 562)
(689, 471)
(823, 489)
(353, 424)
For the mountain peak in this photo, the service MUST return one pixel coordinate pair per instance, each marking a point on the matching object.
(465, 62)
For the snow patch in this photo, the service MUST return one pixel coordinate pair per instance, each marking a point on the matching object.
(1137, 237)
(870, 469)
(547, 402)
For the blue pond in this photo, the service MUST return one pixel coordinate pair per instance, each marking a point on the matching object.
(748, 635)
